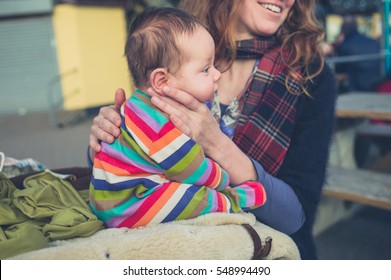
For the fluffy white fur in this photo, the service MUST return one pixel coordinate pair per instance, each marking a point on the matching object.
(213, 236)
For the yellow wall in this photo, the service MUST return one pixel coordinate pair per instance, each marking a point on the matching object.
(90, 45)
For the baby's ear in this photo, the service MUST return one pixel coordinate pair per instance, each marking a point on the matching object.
(158, 79)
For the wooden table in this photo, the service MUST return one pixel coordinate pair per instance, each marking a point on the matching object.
(368, 105)
(363, 186)
(372, 105)
(357, 105)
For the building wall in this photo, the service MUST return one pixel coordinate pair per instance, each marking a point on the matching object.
(9, 8)
(27, 63)
(90, 44)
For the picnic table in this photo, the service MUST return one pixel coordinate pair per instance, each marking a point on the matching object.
(350, 183)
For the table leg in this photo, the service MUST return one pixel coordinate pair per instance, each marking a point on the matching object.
(342, 148)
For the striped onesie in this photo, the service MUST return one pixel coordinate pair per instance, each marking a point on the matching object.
(153, 173)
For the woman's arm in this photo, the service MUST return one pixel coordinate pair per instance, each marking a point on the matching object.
(283, 210)
(192, 118)
(195, 120)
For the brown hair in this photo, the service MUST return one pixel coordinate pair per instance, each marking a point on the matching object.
(300, 34)
(152, 41)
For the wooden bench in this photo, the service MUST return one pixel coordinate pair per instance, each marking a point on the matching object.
(380, 133)
(360, 186)
(375, 130)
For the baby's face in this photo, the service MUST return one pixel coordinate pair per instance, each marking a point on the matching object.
(197, 75)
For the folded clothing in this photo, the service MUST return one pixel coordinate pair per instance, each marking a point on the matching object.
(47, 208)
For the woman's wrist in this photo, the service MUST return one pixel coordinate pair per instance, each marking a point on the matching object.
(238, 165)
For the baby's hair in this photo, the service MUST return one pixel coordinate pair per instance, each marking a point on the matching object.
(152, 41)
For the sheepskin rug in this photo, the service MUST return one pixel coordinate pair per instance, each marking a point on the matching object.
(215, 236)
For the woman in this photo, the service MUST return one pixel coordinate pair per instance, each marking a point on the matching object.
(275, 94)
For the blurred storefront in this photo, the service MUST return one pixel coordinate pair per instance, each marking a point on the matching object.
(27, 54)
(68, 54)
(61, 54)
(90, 50)
(373, 18)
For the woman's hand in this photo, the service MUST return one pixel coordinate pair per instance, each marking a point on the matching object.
(190, 116)
(195, 120)
(105, 126)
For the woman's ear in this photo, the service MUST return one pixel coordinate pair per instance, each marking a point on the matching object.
(158, 79)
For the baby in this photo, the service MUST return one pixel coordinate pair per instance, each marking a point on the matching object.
(153, 173)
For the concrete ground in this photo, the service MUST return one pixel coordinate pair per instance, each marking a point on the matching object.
(364, 235)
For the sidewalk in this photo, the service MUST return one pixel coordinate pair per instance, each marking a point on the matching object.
(366, 235)
(31, 136)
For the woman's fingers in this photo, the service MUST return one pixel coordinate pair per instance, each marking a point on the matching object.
(179, 115)
(152, 92)
(189, 115)
(177, 102)
(182, 97)
(119, 98)
(170, 107)
(109, 119)
(105, 126)
(181, 125)
(160, 99)
(105, 131)
(94, 144)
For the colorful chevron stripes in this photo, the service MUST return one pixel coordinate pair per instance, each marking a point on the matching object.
(153, 173)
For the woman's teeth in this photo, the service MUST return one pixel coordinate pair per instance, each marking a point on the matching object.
(272, 8)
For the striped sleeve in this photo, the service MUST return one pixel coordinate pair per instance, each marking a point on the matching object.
(180, 157)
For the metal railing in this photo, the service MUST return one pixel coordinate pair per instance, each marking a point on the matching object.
(56, 104)
(383, 55)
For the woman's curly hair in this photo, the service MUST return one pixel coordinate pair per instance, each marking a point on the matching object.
(299, 36)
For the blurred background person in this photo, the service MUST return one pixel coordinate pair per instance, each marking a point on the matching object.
(362, 75)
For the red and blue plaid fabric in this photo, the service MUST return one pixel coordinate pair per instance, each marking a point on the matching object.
(268, 116)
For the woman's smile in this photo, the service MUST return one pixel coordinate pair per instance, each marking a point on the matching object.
(271, 7)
